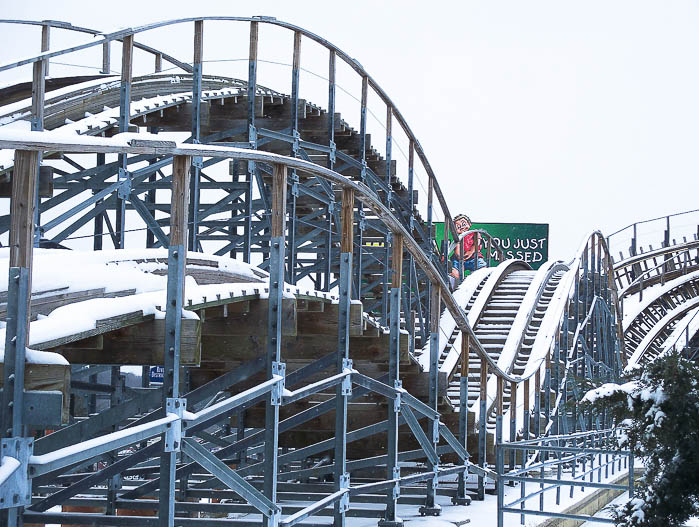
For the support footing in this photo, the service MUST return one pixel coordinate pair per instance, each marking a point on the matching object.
(388, 523)
(435, 510)
(461, 501)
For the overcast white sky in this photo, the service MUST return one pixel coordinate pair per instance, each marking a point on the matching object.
(579, 114)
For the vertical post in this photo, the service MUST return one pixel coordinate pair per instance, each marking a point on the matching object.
(124, 114)
(45, 44)
(537, 403)
(274, 329)
(393, 470)
(99, 218)
(428, 247)
(18, 311)
(431, 506)
(295, 149)
(362, 160)
(461, 498)
(158, 66)
(177, 257)
(513, 421)
(252, 139)
(482, 430)
(409, 284)
(389, 120)
(525, 437)
(106, 57)
(19, 288)
(331, 109)
(40, 69)
(389, 144)
(499, 451)
(196, 131)
(341, 391)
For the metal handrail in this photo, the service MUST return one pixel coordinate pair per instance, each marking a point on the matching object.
(353, 63)
(46, 141)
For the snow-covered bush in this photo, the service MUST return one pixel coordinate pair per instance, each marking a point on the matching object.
(660, 408)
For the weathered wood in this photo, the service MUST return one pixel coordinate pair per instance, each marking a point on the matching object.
(465, 352)
(179, 200)
(22, 209)
(326, 323)
(397, 261)
(198, 41)
(252, 322)
(47, 377)
(278, 213)
(39, 93)
(435, 302)
(227, 346)
(499, 398)
(347, 239)
(139, 344)
(101, 327)
(254, 31)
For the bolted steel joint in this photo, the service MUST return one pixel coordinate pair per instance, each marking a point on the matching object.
(174, 432)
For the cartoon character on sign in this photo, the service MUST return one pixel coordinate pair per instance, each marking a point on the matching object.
(472, 258)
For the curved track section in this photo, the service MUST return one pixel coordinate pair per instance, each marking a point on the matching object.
(658, 286)
(655, 318)
(323, 388)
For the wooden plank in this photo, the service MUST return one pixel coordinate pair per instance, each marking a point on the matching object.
(140, 344)
(101, 327)
(226, 346)
(253, 322)
(326, 322)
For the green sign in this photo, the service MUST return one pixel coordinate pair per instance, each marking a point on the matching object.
(523, 241)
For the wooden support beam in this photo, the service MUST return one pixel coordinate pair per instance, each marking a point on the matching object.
(347, 241)
(139, 344)
(465, 353)
(500, 393)
(179, 200)
(45, 44)
(278, 214)
(435, 303)
(397, 260)
(252, 322)
(22, 209)
(326, 322)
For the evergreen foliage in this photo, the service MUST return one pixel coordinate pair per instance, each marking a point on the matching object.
(660, 410)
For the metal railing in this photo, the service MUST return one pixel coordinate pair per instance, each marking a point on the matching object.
(659, 231)
(587, 460)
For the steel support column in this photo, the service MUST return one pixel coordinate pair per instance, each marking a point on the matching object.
(431, 508)
(252, 139)
(177, 258)
(342, 391)
(461, 498)
(18, 318)
(124, 115)
(390, 518)
(194, 191)
(274, 330)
